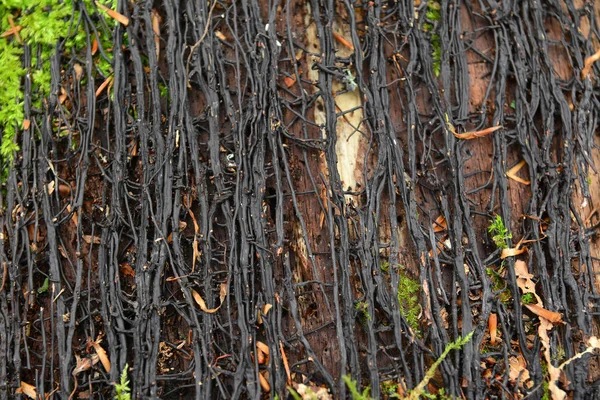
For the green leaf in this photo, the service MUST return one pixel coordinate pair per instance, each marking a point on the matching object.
(44, 287)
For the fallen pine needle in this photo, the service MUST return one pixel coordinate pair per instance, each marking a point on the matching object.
(285, 364)
(14, 29)
(477, 134)
(114, 15)
(512, 173)
(103, 86)
(343, 41)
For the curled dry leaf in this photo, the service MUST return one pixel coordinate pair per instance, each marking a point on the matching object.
(262, 353)
(312, 392)
(100, 352)
(524, 281)
(511, 252)
(202, 303)
(27, 389)
(84, 364)
(518, 371)
(264, 382)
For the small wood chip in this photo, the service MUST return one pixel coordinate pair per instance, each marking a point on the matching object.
(289, 81)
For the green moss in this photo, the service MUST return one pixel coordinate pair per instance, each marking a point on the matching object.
(123, 392)
(498, 284)
(354, 392)
(433, 14)
(528, 298)
(499, 233)
(363, 309)
(44, 23)
(389, 388)
(408, 299)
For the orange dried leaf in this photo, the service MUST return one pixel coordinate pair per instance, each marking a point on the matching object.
(476, 134)
(588, 64)
(94, 46)
(440, 224)
(551, 316)
(512, 173)
(120, 18)
(343, 41)
(126, 269)
(289, 81)
(27, 389)
(262, 351)
(26, 124)
(202, 303)
(264, 383)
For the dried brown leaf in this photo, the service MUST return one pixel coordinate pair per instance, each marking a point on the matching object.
(27, 389)
(89, 239)
(513, 251)
(440, 224)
